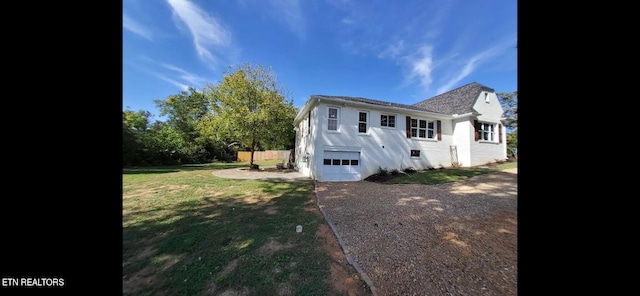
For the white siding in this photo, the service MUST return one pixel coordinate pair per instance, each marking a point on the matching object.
(304, 150)
(384, 147)
(462, 138)
(490, 111)
(484, 152)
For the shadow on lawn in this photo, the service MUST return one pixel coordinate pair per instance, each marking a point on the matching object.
(220, 243)
(184, 167)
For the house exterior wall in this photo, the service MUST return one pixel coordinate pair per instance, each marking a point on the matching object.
(305, 137)
(462, 138)
(380, 147)
(482, 152)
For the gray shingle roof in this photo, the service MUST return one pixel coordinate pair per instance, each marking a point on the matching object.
(456, 101)
(374, 102)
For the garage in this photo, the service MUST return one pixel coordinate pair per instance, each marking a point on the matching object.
(341, 166)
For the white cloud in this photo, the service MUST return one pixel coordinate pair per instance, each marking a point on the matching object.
(472, 63)
(421, 65)
(135, 27)
(392, 50)
(191, 78)
(176, 75)
(207, 32)
(172, 81)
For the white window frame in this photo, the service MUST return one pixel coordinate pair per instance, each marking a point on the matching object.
(337, 119)
(487, 132)
(395, 120)
(367, 122)
(415, 131)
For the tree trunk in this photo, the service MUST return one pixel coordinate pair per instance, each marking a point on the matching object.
(253, 149)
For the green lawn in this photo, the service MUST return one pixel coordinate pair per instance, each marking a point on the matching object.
(187, 232)
(437, 176)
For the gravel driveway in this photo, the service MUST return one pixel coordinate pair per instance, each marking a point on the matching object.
(449, 239)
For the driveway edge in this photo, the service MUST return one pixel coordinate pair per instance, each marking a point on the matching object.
(343, 245)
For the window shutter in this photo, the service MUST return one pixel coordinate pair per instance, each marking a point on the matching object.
(500, 132)
(475, 128)
(408, 127)
(438, 122)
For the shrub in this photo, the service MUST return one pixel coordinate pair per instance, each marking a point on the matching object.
(382, 171)
(410, 170)
(395, 172)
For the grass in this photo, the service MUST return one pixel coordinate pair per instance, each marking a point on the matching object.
(187, 232)
(437, 176)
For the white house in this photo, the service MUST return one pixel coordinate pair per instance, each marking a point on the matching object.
(348, 138)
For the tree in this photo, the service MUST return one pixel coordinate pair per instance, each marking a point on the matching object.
(134, 130)
(512, 143)
(249, 106)
(184, 111)
(509, 102)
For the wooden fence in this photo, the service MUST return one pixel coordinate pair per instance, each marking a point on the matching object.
(245, 156)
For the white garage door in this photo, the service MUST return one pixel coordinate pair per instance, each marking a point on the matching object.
(341, 166)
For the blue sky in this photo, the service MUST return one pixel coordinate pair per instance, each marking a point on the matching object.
(400, 51)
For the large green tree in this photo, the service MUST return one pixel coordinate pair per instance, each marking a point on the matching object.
(250, 107)
(184, 112)
(509, 102)
(134, 131)
(512, 143)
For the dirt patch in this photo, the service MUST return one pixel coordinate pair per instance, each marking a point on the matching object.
(229, 268)
(271, 210)
(231, 292)
(141, 279)
(344, 278)
(273, 246)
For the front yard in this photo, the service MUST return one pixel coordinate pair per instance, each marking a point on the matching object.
(187, 232)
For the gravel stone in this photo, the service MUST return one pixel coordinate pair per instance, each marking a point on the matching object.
(456, 238)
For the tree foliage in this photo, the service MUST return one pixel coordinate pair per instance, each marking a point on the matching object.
(246, 109)
(509, 102)
(512, 143)
(184, 111)
(249, 106)
(134, 129)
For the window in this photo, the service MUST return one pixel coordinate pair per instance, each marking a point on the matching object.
(415, 153)
(327, 161)
(487, 132)
(362, 122)
(345, 162)
(354, 162)
(336, 162)
(423, 128)
(334, 116)
(388, 120)
(486, 98)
